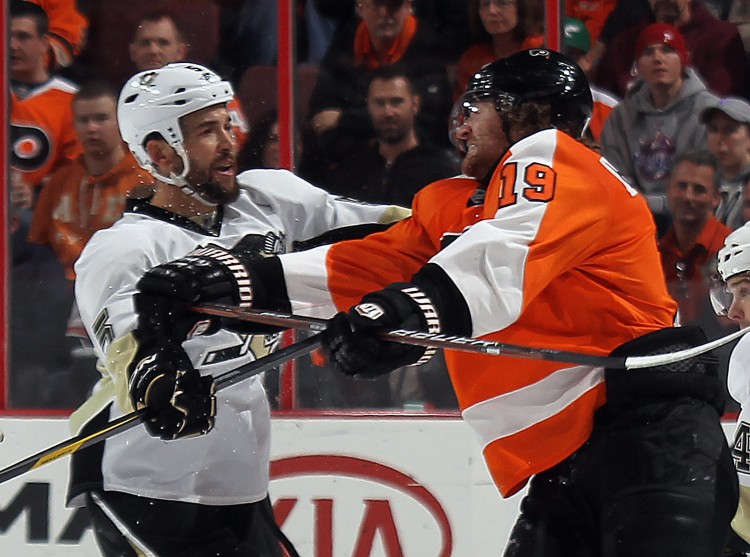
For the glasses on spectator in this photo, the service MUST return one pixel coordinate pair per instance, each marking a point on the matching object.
(487, 4)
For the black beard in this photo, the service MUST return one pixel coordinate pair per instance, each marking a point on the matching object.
(392, 139)
(213, 193)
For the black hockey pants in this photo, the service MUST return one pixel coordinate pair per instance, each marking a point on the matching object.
(127, 526)
(653, 481)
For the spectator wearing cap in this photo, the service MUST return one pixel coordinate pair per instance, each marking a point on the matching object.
(728, 133)
(716, 49)
(745, 211)
(576, 43)
(659, 118)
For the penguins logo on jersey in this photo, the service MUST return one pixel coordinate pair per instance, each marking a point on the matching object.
(256, 246)
(30, 147)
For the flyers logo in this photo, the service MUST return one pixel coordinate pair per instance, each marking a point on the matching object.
(539, 52)
(539, 183)
(30, 147)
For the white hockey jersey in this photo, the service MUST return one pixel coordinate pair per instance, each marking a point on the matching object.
(230, 464)
(738, 384)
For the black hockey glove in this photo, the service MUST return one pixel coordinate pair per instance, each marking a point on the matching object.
(350, 340)
(211, 274)
(695, 377)
(179, 401)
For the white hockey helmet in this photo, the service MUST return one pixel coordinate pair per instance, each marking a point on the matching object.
(153, 101)
(733, 259)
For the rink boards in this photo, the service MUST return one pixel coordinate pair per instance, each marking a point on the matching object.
(342, 487)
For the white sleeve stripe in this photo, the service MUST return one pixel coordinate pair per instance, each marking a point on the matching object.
(522, 408)
(305, 274)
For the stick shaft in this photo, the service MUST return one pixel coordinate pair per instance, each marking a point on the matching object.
(133, 419)
(469, 344)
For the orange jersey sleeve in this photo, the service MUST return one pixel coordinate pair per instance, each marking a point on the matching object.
(331, 278)
(67, 29)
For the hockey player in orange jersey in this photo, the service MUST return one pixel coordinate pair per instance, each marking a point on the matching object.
(554, 249)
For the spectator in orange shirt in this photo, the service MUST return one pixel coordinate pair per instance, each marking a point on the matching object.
(88, 194)
(41, 121)
(158, 41)
(688, 249)
(691, 243)
(499, 28)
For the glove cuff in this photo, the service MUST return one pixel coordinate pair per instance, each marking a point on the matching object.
(235, 266)
(429, 314)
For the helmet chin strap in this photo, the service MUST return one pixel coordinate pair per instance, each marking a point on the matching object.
(179, 179)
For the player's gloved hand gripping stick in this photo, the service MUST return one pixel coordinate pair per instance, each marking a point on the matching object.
(115, 427)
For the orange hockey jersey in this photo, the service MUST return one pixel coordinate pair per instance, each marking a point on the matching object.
(41, 130)
(73, 205)
(562, 254)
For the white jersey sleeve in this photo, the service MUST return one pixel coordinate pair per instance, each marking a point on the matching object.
(308, 211)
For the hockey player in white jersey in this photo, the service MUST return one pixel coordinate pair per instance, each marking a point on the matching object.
(732, 298)
(201, 494)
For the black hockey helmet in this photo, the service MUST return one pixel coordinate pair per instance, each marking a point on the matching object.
(531, 75)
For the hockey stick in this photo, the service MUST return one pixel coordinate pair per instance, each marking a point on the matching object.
(470, 344)
(132, 419)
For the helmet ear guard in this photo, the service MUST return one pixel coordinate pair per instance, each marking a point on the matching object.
(153, 101)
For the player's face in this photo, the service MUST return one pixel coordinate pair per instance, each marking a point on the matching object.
(660, 66)
(484, 139)
(739, 290)
(498, 16)
(211, 148)
(27, 48)
(95, 122)
(392, 109)
(156, 44)
(729, 142)
(692, 195)
(384, 19)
